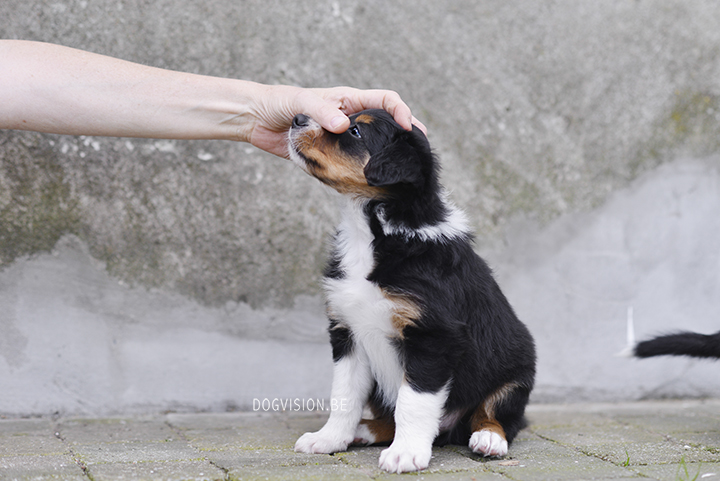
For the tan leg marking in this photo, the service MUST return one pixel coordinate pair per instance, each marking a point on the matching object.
(383, 429)
(488, 436)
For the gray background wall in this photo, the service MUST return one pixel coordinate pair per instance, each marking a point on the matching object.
(581, 137)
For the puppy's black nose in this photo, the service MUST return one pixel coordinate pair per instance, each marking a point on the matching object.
(300, 120)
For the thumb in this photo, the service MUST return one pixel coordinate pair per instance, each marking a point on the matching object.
(331, 118)
(338, 124)
(326, 114)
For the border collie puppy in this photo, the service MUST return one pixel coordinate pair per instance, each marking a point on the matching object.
(420, 332)
(680, 344)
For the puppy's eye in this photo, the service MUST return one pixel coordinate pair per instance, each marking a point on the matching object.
(355, 132)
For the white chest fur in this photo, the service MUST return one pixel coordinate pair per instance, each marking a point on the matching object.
(361, 306)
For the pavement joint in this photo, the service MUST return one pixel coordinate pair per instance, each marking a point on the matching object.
(670, 440)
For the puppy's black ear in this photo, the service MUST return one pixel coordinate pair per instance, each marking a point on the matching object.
(400, 162)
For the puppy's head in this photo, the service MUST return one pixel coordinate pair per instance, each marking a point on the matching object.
(374, 159)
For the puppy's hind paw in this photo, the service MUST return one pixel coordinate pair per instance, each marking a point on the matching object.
(488, 443)
(363, 436)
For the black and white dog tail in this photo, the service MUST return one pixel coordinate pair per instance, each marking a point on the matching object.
(680, 344)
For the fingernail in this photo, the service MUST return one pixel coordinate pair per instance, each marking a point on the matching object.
(337, 121)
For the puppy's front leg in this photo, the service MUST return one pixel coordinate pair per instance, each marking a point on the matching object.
(417, 422)
(351, 385)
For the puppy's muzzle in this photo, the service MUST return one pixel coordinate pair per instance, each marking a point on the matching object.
(302, 135)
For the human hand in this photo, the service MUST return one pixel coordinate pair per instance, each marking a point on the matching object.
(61, 90)
(277, 105)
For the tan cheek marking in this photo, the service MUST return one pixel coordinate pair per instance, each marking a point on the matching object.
(335, 168)
(304, 142)
(344, 172)
(405, 311)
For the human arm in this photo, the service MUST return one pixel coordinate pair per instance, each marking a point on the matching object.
(55, 89)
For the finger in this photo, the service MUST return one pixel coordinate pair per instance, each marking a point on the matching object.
(387, 100)
(399, 110)
(324, 111)
(339, 122)
(331, 119)
(419, 125)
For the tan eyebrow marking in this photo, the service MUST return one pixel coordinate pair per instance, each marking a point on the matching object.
(364, 119)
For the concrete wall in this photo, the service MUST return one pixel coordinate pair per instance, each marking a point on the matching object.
(582, 138)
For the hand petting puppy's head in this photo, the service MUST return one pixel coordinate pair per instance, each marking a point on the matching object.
(375, 158)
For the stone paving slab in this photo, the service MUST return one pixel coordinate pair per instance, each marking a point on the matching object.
(672, 440)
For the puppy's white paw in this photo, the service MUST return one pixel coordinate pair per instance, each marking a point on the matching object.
(488, 443)
(322, 442)
(403, 459)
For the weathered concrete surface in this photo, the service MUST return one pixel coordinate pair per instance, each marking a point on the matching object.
(653, 248)
(581, 138)
(646, 440)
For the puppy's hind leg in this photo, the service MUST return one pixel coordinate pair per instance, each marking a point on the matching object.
(375, 431)
(496, 422)
(488, 437)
